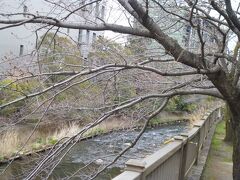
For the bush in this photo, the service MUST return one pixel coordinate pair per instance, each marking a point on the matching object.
(177, 104)
(40, 142)
(52, 141)
(11, 91)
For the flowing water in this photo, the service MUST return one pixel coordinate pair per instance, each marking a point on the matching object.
(100, 151)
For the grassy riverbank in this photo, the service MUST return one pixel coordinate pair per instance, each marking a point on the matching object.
(13, 139)
(219, 162)
(46, 135)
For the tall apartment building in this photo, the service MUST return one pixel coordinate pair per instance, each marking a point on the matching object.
(92, 14)
(178, 29)
(21, 41)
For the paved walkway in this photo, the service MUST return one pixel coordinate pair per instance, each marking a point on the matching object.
(219, 162)
(197, 170)
(215, 159)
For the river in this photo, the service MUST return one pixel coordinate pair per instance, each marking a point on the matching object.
(99, 151)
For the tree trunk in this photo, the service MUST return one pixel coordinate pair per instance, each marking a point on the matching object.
(236, 154)
(227, 119)
(235, 120)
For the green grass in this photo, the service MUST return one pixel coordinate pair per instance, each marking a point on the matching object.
(220, 130)
(218, 143)
(159, 120)
(52, 141)
(217, 140)
(1, 158)
(95, 131)
(220, 153)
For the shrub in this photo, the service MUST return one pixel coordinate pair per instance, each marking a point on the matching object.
(177, 104)
(10, 90)
(52, 141)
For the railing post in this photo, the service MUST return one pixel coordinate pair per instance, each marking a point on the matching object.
(219, 114)
(135, 165)
(209, 119)
(203, 131)
(205, 126)
(183, 156)
(198, 143)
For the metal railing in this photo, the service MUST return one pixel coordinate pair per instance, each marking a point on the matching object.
(174, 160)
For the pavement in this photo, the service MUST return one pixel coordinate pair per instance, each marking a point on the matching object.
(219, 163)
(215, 159)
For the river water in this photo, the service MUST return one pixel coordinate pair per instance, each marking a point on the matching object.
(99, 151)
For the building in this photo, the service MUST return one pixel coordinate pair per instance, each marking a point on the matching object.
(20, 43)
(176, 28)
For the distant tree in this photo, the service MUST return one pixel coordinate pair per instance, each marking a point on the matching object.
(58, 53)
(11, 92)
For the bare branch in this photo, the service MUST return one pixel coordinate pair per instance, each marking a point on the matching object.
(99, 27)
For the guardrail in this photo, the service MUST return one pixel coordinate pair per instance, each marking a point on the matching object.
(174, 160)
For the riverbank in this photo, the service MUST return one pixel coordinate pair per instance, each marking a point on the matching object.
(219, 162)
(47, 135)
(94, 153)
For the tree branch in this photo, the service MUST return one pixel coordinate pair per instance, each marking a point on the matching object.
(63, 24)
(166, 41)
(232, 15)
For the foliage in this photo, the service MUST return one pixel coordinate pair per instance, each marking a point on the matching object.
(136, 46)
(211, 98)
(52, 140)
(1, 158)
(106, 51)
(177, 104)
(155, 121)
(217, 141)
(40, 142)
(221, 153)
(95, 131)
(124, 92)
(103, 49)
(57, 54)
(11, 91)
